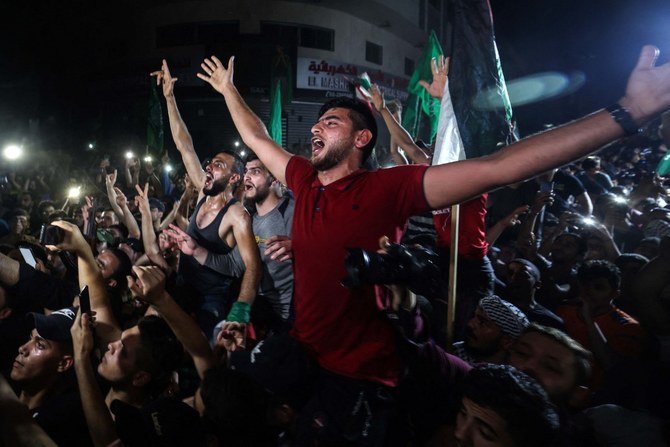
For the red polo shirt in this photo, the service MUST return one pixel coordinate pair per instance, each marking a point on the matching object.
(340, 327)
(472, 243)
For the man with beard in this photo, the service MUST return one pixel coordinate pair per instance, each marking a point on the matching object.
(339, 205)
(217, 225)
(272, 227)
(491, 332)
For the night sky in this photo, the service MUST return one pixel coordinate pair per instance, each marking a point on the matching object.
(46, 48)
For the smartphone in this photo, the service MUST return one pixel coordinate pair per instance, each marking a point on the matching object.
(546, 186)
(27, 254)
(85, 301)
(51, 235)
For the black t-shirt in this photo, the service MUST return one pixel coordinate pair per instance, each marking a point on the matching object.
(43, 290)
(62, 418)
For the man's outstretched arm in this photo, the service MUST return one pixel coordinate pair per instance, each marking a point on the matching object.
(180, 135)
(251, 128)
(647, 95)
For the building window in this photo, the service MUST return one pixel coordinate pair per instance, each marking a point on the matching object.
(279, 32)
(217, 32)
(320, 38)
(409, 66)
(373, 53)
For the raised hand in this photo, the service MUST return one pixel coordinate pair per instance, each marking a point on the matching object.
(82, 335)
(186, 243)
(279, 248)
(73, 240)
(217, 75)
(142, 199)
(232, 336)
(542, 198)
(377, 98)
(512, 219)
(110, 179)
(149, 285)
(440, 69)
(163, 76)
(121, 199)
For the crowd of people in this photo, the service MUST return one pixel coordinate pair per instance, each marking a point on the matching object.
(220, 303)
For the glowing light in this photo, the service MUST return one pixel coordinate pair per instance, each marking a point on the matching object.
(588, 221)
(237, 144)
(129, 155)
(243, 153)
(74, 192)
(12, 152)
(91, 145)
(148, 159)
(168, 167)
(620, 199)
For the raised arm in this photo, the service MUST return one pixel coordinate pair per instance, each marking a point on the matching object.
(108, 329)
(180, 135)
(110, 181)
(127, 217)
(647, 95)
(98, 418)
(151, 248)
(398, 133)
(251, 128)
(150, 287)
(246, 242)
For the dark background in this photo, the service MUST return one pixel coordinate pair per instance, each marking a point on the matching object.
(52, 54)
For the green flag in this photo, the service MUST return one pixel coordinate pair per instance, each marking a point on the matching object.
(420, 103)
(663, 167)
(155, 121)
(274, 126)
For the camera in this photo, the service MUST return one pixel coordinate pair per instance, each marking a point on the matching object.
(415, 266)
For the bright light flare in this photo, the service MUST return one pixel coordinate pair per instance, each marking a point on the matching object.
(91, 145)
(12, 152)
(129, 155)
(148, 159)
(168, 167)
(236, 143)
(243, 153)
(588, 221)
(74, 192)
(620, 199)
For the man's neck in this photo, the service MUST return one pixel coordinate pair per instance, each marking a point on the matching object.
(222, 198)
(34, 397)
(339, 171)
(268, 204)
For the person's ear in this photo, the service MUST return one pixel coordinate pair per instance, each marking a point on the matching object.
(66, 362)
(234, 179)
(362, 139)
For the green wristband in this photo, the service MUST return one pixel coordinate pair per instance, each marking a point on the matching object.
(239, 313)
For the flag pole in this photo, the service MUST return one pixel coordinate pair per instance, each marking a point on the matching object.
(453, 272)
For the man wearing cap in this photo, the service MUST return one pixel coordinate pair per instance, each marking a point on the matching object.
(43, 369)
(491, 332)
(523, 280)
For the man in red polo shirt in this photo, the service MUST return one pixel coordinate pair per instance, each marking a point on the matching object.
(338, 205)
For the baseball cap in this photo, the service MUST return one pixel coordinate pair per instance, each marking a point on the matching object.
(505, 315)
(55, 326)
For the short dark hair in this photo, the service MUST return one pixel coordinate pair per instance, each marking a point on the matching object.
(361, 116)
(125, 265)
(518, 399)
(626, 259)
(160, 352)
(44, 204)
(599, 268)
(582, 355)
(237, 167)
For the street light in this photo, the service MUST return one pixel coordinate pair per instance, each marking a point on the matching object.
(12, 152)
